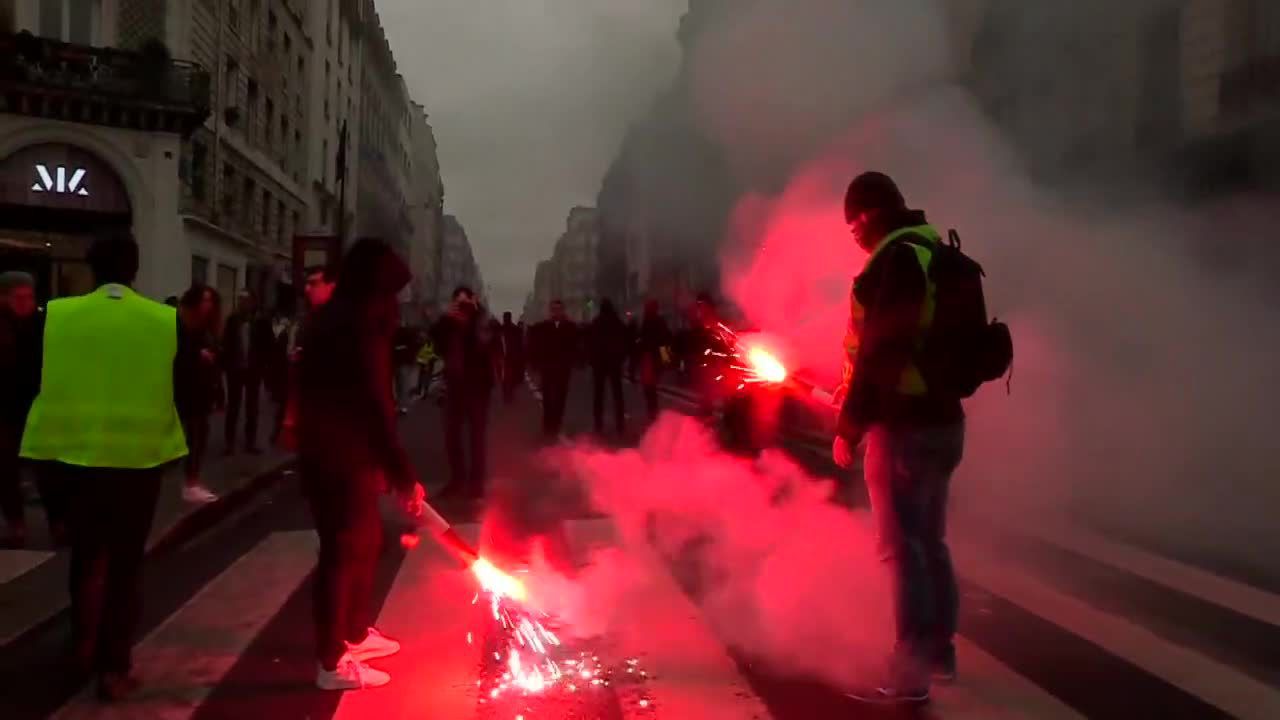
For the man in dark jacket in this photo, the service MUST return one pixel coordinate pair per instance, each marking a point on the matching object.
(463, 339)
(653, 349)
(914, 437)
(512, 357)
(17, 390)
(555, 353)
(608, 349)
(246, 349)
(348, 451)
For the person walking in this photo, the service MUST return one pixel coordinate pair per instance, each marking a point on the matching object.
(461, 338)
(404, 355)
(555, 352)
(105, 419)
(349, 451)
(246, 344)
(653, 353)
(199, 312)
(17, 391)
(318, 287)
(608, 349)
(512, 358)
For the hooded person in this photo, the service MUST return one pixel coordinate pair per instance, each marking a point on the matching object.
(349, 453)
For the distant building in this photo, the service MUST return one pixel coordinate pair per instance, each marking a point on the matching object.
(426, 213)
(458, 264)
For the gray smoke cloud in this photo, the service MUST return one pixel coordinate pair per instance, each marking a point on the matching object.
(1144, 386)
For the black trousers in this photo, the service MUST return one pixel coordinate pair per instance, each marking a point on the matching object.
(56, 491)
(345, 509)
(243, 390)
(467, 410)
(11, 502)
(512, 376)
(555, 393)
(110, 519)
(651, 401)
(608, 377)
(196, 427)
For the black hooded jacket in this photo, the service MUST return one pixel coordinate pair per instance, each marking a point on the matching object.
(892, 291)
(346, 414)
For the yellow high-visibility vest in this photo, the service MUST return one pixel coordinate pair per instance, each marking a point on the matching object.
(106, 384)
(912, 382)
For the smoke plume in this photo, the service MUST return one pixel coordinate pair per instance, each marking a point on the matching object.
(1143, 381)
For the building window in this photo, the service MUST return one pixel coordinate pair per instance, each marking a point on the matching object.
(271, 121)
(297, 221)
(281, 235)
(246, 212)
(324, 161)
(228, 189)
(251, 109)
(74, 21)
(233, 15)
(199, 166)
(199, 269)
(267, 207)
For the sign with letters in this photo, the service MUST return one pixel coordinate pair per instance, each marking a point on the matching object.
(62, 177)
(45, 180)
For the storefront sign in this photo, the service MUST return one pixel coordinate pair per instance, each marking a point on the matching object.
(62, 177)
(45, 180)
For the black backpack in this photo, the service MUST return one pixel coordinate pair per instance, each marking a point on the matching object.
(964, 349)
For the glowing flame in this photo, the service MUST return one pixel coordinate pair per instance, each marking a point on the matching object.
(765, 366)
(496, 582)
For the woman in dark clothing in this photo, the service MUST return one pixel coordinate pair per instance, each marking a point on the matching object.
(653, 348)
(200, 314)
(348, 453)
(609, 349)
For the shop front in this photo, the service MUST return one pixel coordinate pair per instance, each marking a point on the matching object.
(54, 199)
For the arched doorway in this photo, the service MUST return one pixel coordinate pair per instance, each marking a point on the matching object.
(54, 198)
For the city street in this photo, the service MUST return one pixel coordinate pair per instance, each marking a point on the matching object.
(1056, 623)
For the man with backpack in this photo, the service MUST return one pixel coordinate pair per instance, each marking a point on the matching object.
(918, 342)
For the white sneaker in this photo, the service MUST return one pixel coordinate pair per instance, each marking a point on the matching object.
(198, 494)
(375, 645)
(351, 674)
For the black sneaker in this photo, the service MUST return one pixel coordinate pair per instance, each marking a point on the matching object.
(884, 695)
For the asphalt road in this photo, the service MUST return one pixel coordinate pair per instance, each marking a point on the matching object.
(1055, 623)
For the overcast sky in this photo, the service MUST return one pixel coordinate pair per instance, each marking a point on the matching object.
(529, 100)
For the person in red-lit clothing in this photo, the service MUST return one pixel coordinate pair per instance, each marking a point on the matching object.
(348, 453)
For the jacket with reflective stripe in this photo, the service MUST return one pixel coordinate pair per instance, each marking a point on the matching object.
(911, 382)
(106, 385)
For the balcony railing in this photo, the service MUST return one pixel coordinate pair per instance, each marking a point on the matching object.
(104, 86)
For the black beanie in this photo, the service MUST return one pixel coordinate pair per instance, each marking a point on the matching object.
(872, 191)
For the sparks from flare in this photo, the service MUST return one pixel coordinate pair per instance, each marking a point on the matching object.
(756, 363)
(528, 658)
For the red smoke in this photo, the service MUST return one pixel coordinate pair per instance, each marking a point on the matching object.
(781, 573)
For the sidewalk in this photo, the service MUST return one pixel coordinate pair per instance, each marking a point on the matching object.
(33, 581)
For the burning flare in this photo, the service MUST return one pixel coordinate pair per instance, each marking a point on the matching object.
(765, 366)
(496, 582)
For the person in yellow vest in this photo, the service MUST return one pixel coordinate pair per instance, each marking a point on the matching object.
(914, 437)
(104, 420)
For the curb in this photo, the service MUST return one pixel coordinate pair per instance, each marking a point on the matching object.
(205, 517)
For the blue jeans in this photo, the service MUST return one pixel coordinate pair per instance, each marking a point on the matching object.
(908, 476)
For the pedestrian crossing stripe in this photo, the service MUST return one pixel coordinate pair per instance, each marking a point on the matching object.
(16, 563)
(428, 608)
(187, 656)
(1220, 685)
